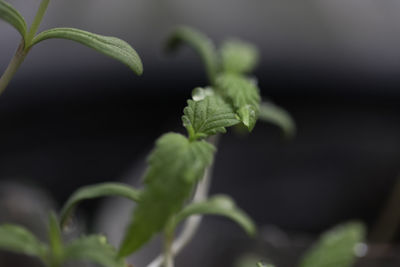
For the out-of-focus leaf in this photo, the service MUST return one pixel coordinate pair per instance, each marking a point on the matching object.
(220, 205)
(208, 116)
(93, 248)
(336, 247)
(96, 191)
(110, 46)
(55, 240)
(269, 112)
(238, 56)
(200, 43)
(18, 239)
(9, 14)
(175, 165)
(243, 94)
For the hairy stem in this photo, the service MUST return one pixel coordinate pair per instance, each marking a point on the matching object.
(13, 66)
(192, 224)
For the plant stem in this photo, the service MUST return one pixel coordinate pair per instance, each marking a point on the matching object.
(168, 254)
(13, 66)
(36, 22)
(23, 47)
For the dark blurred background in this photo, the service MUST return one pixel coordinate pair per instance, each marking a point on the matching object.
(73, 117)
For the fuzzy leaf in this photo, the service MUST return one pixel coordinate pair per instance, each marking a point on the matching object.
(269, 112)
(175, 165)
(200, 43)
(217, 205)
(93, 248)
(9, 14)
(336, 248)
(238, 57)
(244, 96)
(110, 46)
(18, 239)
(208, 116)
(96, 191)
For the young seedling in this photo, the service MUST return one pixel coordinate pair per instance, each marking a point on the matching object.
(179, 173)
(179, 166)
(110, 46)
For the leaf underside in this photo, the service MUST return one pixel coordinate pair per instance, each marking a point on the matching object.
(9, 14)
(220, 205)
(208, 116)
(175, 165)
(96, 191)
(243, 94)
(271, 113)
(110, 46)
(200, 43)
(336, 247)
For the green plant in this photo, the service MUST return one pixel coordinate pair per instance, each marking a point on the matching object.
(179, 173)
(110, 46)
(337, 247)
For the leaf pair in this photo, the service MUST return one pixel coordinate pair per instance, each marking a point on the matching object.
(227, 69)
(235, 56)
(110, 46)
(92, 248)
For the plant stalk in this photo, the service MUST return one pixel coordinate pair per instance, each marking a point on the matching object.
(36, 22)
(23, 47)
(13, 66)
(168, 254)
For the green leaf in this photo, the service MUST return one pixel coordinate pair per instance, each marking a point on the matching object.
(110, 46)
(55, 240)
(238, 57)
(175, 165)
(200, 43)
(93, 248)
(244, 96)
(208, 116)
(217, 205)
(9, 14)
(269, 112)
(96, 191)
(18, 239)
(337, 247)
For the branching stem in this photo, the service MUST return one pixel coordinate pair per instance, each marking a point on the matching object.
(23, 48)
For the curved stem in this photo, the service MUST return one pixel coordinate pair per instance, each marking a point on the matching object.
(13, 66)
